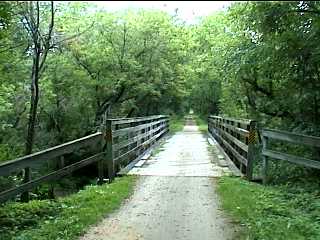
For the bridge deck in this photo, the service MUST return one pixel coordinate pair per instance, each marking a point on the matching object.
(176, 198)
(187, 153)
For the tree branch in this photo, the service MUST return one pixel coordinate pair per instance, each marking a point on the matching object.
(73, 36)
(47, 40)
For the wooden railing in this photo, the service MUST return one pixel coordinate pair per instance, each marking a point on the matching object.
(37, 160)
(130, 138)
(237, 138)
(118, 142)
(288, 137)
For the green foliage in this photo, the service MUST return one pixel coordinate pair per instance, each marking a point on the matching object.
(272, 212)
(260, 60)
(133, 63)
(176, 123)
(257, 60)
(202, 124)
(128, 64)
(66, 218)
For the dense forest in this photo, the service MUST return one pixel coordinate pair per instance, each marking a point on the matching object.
(64, 65)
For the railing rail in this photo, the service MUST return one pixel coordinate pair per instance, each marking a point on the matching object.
(289, 137)
(7, 168)
(38, 159)
(237, 138)
(132, 137)
(119, 142)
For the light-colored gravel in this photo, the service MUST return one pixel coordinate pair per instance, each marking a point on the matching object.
(174, 198)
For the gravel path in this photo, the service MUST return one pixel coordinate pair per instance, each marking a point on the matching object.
(174, 198)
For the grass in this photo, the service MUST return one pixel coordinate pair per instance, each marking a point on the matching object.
(202, 124)
(272, 212)
(176, 124)
(66, 218)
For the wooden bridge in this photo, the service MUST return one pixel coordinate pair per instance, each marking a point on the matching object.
(122, 142)
(118, 142)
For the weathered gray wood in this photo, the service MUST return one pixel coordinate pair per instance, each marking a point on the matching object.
(26, 178)
(251, 144)
(291, 158)
(240, 144)
(149, 130)
(234, 134)
(240, 158)
(28, 161)
(102, 145)
(116, 120)
(135, 139)
(5, 195)
(264, 160)
(243, 122)
(292, 137)
(109, 151)
(125, 121)
(145, 144)
(241, 131)
(235, 170)
(61, 162)
(142, 144)
(125, 131)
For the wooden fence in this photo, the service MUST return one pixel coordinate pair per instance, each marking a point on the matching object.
(130, 138)
(288, 137)
(237, 138)
(118, 142)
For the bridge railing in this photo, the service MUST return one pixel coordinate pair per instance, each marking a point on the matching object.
(237, 138)
(118, 142)
(130, 138)
(39, 159)
(288, 137)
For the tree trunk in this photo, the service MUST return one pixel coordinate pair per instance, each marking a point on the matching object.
(33, 104)
(41, 46)
(32, 116)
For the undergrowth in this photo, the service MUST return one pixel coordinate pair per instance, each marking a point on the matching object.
(65, 218)
(176, 123)
(272, 212)
(202, 124)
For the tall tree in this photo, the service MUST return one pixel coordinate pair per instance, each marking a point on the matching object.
(40, 44)
(39, 47)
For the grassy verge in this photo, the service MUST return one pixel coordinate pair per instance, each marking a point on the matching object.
(176, 124)
(272, 212)
(202, 124)
(66, 218)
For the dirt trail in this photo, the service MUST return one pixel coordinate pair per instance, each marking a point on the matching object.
(174, 198)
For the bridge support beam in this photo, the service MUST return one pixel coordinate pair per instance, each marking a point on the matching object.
(109, 151)
(251, 149)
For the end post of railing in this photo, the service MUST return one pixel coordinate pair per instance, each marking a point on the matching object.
(109, 150)
(101, 146)
(251, 149)
(25, 196)
(264, 160)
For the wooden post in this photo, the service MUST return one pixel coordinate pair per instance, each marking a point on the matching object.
(25, 196)
(251, 150)
(61, 162)
(264, 161)
(100, 147)
(109, 151)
